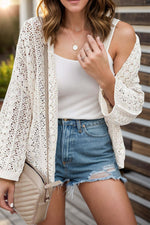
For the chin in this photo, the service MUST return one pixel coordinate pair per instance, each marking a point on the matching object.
(75, 6)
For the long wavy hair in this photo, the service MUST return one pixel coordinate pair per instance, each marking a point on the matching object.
(99, 15)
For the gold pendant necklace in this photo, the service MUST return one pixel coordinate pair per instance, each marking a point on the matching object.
(75, 46)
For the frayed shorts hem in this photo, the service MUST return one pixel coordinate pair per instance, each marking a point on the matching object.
(70, 186)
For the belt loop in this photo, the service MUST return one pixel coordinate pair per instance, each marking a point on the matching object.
(79, 126)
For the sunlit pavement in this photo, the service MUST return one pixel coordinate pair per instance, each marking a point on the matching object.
(6, 218)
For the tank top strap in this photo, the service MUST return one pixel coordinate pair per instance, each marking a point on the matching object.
(109, 38)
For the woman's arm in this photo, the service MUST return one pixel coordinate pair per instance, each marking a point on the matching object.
(128, 95)
(15, 115)
(122, 43)
(121, 98)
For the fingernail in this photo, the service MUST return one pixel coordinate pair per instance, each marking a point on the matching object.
(11, 205)
(88, 35)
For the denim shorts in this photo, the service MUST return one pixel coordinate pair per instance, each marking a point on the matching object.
(84, 153)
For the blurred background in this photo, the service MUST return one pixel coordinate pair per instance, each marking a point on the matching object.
(136, 135)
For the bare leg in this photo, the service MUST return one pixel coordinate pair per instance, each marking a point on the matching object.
(56, 210)
(108, 201)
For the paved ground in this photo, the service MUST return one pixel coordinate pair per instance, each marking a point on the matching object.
(6, 218)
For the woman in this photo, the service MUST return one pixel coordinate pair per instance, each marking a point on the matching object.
(90, 148)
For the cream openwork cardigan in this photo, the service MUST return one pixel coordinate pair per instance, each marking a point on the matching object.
(22, 116)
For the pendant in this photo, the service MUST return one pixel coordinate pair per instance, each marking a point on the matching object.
(75, 47)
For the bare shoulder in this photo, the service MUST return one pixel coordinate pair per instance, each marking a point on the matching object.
(123, 42)
(125, 36)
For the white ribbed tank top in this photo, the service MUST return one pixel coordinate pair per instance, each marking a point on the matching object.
(77, 91)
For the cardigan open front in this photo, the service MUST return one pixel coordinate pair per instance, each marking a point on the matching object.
(22, 116)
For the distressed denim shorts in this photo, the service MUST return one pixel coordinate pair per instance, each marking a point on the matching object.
(84, 153)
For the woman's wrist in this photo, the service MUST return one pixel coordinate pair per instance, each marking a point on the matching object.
(108, 85)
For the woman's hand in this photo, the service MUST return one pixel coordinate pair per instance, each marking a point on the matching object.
(7, 188)
(93, 58)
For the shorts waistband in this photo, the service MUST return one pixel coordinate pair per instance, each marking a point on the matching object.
(74, 122)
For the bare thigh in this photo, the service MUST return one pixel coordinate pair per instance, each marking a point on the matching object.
(56, 210)
(108, 202)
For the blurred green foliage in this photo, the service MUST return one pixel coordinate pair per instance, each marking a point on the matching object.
(9, 31)
(5, 74)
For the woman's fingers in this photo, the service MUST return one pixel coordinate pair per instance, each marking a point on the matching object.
(83, 56)
(7, 188)
(4, 204)
(100, 43)
(87, 49)
(93, 43)
(11, 196)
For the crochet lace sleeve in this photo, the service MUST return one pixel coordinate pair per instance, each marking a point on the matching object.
(128, 95)
(15, 116)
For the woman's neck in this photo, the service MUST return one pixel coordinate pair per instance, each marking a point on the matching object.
(75, 21)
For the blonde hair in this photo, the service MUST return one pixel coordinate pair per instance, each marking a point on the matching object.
(99, 14)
